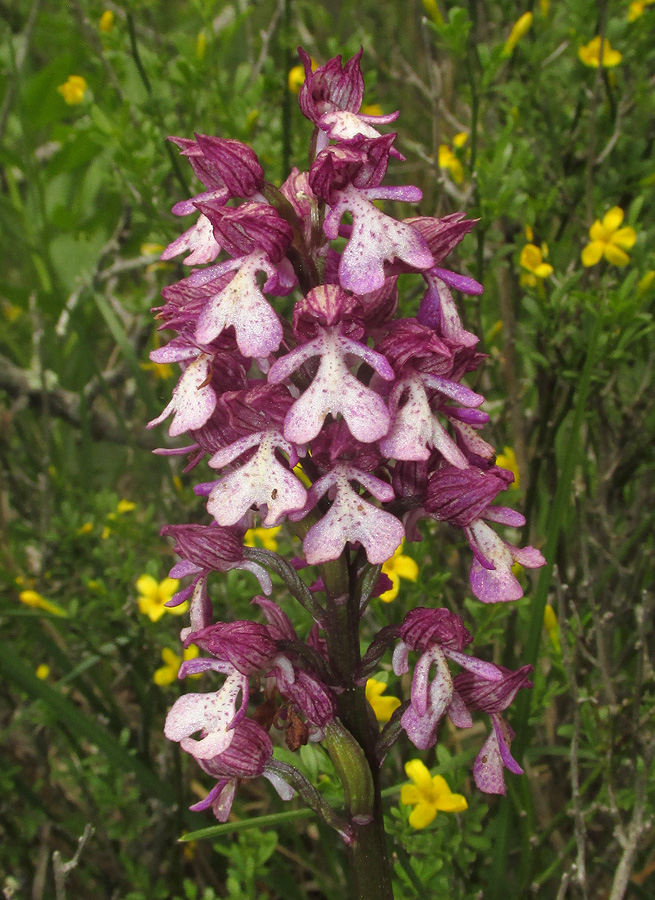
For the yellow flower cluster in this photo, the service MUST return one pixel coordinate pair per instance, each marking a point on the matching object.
(590, 54)
(73, 89)
(448, 159)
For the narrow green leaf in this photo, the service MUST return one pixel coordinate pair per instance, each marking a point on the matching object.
(245, 824)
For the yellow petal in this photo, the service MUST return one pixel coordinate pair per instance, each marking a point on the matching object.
(530, 257)
(168, 587)
(646, 282)
(453, 803)
(296, 79)
(42, 672)
(106, 21)
(384, 707)
(422, 814)
(592, 253)
(392, 593)
(550, 619)
(147, 586)
(610, 57)
(520, 29)
(374, 688)
(616, 256)
(371, 109)
(407, 568)
(613, 218)
(445, 156)
(419, 774)
(544, 271)
(456, 170)
(444, 798)
(164, 676)
(597, 231)
(177, 610)
(625, 238)
(460, 139)
(410, 795)
(170, 658)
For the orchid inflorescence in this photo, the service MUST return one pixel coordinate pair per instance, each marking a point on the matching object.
(373, 408)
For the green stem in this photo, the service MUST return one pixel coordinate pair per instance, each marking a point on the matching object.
(369, 858)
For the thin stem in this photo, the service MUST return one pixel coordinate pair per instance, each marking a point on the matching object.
(369, 858)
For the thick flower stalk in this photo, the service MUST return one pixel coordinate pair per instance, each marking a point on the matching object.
(345, 425)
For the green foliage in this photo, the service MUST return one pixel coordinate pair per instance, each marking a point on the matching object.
(86, 189)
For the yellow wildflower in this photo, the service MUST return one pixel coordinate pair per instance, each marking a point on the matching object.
(87, 528)
(507, 460)
(104, 534)
(297, 77)
(201, 45)
(609, 240)
(532, 260)
(638, 8)
(646, 283)
(106, 21)
(42, 672)
(399, 566)
(551, 626)
(264, 537)
(433, 11)
(590, 54)
(371, 109)
(460, 139)
(153, 595)
(428, 795)
(448, 160)
(519, 30)
(73, 90)
(125, 506)
(167, 673)
(32, 598)
(383, 707)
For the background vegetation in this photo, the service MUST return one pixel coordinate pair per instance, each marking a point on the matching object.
(516, 128)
